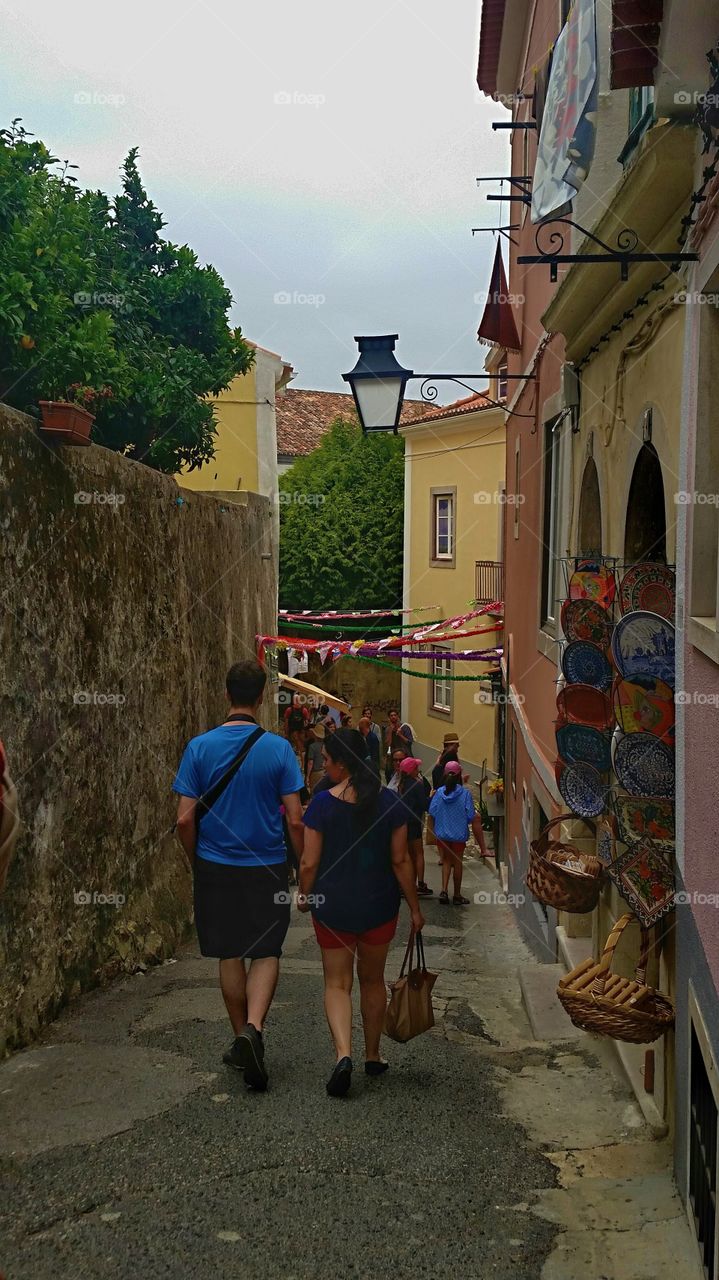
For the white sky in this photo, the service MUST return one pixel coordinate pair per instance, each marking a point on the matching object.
(364, 197)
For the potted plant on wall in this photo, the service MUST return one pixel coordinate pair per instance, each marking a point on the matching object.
(69, 420)
(495, 798)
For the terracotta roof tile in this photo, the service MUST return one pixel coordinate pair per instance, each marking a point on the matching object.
(304, 417)
(470, 404)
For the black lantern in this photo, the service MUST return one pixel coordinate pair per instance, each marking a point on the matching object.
(378, 382)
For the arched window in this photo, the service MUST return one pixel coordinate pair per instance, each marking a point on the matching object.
(590, 512)
(645, 532)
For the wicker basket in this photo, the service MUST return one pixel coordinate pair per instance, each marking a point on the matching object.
(602, 1002)
(559, 875)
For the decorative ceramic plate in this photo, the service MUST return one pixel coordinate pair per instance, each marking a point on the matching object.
(606, 841)
(581, 744)
(644, 705)
(586, 620)
(645, 880)
(643, 645)
(584, 663)
(583, 789)
(644, 765)
(642, 816)
(648, 586)
(583, 704)
(592, 581)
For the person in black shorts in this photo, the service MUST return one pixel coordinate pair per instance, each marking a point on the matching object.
(238, 856)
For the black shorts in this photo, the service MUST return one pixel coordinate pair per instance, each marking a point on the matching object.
(241, 911)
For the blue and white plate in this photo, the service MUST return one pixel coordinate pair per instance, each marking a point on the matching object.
(584, 663)
(644, 765)
(583, 789)
(643, 645)
(582, 744)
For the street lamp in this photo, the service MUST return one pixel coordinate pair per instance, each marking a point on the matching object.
(378, 382)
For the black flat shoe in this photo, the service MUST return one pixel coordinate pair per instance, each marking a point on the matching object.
(341, 1079)
(374, 1068)
(248, 1054)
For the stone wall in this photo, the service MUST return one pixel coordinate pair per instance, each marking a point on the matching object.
(359, 683)
(123, 602)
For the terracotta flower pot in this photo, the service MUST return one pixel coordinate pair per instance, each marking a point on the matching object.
(65, 423)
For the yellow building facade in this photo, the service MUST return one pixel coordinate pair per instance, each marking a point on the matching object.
(246, 444)
(453, 552)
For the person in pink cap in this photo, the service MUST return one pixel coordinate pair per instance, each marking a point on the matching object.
(413, 798)
(452, 809)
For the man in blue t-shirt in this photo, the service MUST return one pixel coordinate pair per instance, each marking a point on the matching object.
(235, 843)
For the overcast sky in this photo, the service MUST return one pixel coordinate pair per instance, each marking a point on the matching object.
(320, 151)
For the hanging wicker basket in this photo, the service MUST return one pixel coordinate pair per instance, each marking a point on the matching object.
(599, 1001)
(559, 875)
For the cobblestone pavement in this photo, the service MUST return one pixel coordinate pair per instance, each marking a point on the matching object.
(129, 1150)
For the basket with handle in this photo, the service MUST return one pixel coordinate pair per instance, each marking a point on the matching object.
(561, 876)
(600, 1001)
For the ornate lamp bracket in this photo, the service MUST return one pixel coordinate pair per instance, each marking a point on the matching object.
(549, 239)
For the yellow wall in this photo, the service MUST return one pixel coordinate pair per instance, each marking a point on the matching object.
(234, 465)
(466, 452)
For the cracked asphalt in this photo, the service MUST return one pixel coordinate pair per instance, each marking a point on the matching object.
(129, 1149)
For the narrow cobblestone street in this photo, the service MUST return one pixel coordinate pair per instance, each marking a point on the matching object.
(130, 1150)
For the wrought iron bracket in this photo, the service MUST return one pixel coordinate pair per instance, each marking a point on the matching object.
(624, 253)
(514, 124)
(525, 199)
(429, 392)
(521, 181)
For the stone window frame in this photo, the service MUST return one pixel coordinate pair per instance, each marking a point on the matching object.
(450, 561)
(440, 713)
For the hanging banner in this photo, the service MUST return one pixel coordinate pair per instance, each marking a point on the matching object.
(566, 141)
(309, 615)
(369, 648)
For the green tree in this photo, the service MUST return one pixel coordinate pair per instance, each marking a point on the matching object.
(341, 522)
(91, 294)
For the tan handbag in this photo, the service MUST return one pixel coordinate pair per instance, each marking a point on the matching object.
(429, 836)
(409, 1011)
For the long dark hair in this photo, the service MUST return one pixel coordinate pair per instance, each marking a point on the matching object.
(347, 747)
(405, 782)
(451, 781)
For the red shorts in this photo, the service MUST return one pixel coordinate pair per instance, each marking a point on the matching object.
(452, 846)
(332, 938)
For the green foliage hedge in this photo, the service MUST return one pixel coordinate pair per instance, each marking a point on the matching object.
(92, 297)
(341, 523)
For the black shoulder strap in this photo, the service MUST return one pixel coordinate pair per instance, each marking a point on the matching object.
(205, 802)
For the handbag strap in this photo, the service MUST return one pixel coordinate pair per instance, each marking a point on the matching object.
(414, 939)
(206, 801)
(408, 953)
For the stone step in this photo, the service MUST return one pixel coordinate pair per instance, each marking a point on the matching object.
(538, 984)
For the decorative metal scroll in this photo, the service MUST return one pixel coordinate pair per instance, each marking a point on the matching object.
(549, 239)
(707, 112)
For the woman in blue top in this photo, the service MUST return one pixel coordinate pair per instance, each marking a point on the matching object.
(354, 863)
(452, 808)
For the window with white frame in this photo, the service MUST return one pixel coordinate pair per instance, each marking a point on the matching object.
(441, 685)
(443, 525)
(502, 381)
